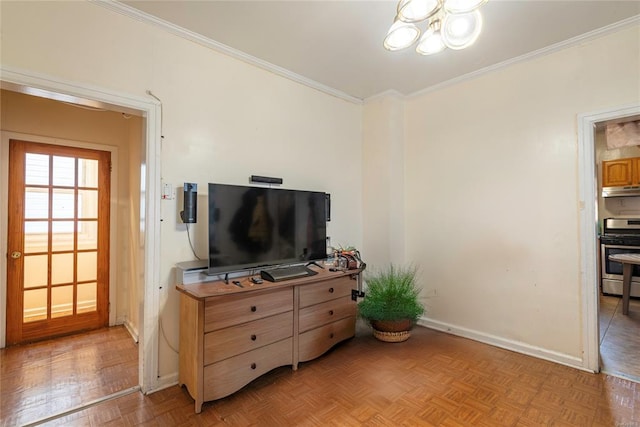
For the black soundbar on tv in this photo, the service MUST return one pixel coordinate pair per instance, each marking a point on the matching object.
(265, 179)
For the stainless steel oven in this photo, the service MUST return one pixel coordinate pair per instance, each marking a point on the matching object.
(619, 236)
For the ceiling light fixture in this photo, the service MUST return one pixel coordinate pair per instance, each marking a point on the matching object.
(453, 24)
(401, 35)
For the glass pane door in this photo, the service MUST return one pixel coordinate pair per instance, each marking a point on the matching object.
(60, 246)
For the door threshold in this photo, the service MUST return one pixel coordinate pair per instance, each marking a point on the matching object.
(621, 375)
(84, 406)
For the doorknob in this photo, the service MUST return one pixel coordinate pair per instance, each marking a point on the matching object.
(16, 254)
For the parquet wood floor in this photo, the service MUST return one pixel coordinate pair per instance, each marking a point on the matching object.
(48, 377)
(433, 379)
(620, 338)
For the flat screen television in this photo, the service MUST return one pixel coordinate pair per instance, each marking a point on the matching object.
(254, 227)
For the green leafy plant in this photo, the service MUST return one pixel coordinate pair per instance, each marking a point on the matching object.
(392, 294)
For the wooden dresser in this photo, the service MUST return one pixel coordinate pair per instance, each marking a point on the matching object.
(230, 335)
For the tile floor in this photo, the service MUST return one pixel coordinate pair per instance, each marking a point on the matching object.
(620, 338)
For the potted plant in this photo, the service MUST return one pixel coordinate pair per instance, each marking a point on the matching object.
(391, 304)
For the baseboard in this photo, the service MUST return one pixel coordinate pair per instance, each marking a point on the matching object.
(517, 346)
(133, 331)
(163, 382)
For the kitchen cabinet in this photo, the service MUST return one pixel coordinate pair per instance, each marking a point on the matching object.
(621, 172)
(231, 335)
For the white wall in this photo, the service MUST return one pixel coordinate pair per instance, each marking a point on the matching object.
(383, 190)
(224, 120)
(492, 211)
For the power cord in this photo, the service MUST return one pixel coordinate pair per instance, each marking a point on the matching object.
(191, 244)
(165, 336)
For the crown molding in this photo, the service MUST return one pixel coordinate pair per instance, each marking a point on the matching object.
(390, 93)
(138, 15)
(574, 41)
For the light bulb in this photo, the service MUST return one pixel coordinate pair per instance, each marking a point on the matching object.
(417, 10)
(461, 30)
(431, 41)
(401, 35)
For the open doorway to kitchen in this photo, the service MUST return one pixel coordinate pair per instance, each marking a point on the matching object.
(619, 232)
(603, 332)
(48, 104)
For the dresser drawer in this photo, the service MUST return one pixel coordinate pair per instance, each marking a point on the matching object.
(326, 312)
(317, 341)
(224, 343)
(229, 310)
(230, 375)
(325, 291)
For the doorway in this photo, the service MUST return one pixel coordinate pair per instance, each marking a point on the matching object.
(76, 155)
(588, 199)
(58, 240)
(619, 333)
(148, 172)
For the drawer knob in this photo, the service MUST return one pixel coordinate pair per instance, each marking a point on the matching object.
(253, 337)
(254, 308)
(330, 290)
(253, 366)
(331, 335)
(330, 312)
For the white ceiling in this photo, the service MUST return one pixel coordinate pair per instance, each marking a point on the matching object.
(337, 45)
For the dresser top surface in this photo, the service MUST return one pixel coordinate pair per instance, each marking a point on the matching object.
(220, 287)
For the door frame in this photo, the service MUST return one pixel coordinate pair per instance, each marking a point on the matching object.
(587, 199)
(57, 89)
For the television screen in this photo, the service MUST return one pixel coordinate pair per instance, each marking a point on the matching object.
(252, 227)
